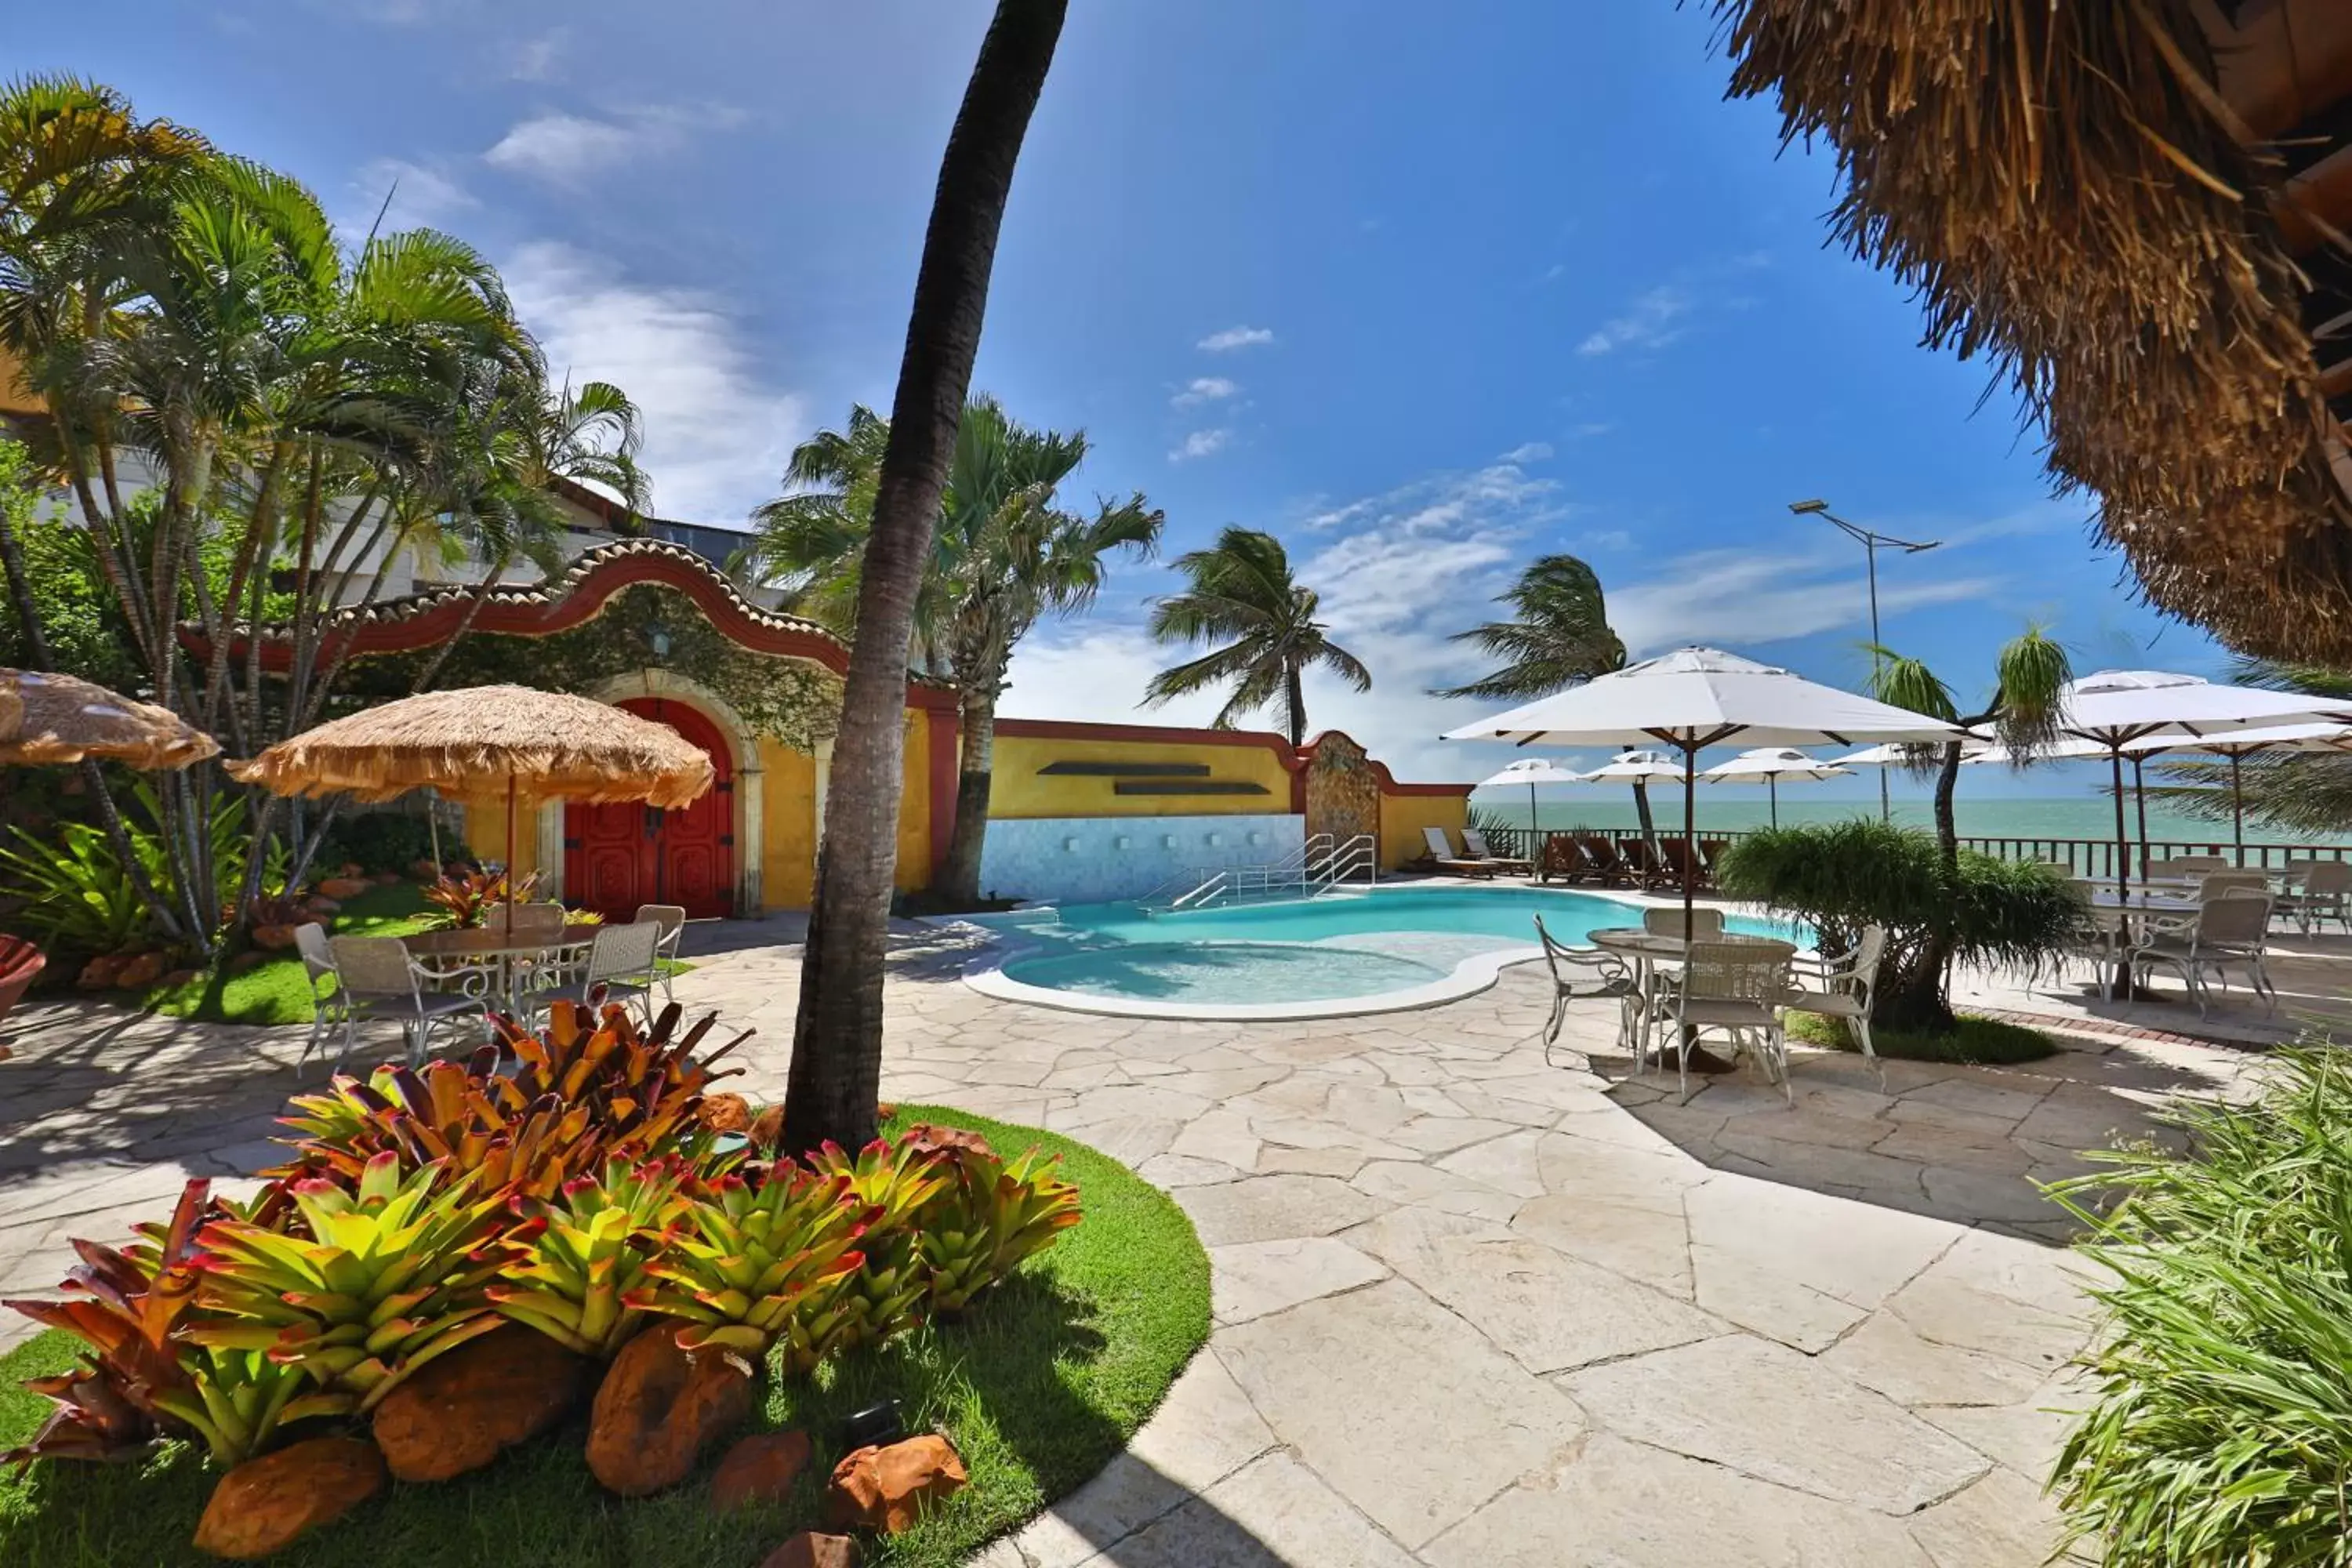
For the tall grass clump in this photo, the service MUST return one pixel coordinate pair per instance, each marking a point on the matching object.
(2221, 1432)
(1839, 877)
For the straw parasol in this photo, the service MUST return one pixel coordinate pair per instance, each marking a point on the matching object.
(56, 718)
(482, 740)
(2135, 210)
(1768, 765)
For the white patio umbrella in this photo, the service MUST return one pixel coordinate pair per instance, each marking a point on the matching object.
(1640, 769)
(2116, 709)
(1768, 765)
(2238, 745)
(1897, 755)
(1701, 697)
(1531, 772)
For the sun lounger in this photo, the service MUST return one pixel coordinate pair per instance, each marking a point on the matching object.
(1565, 859)
(1608, 867)
(1474, 842)
(1441, 856)
(1676, 853)
(1641, 861)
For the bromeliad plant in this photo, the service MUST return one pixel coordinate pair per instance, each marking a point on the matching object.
(754, 1253)
(579, 1256)
(387, 1277)
(893, 1183)
(990, 1218)
(468, 896)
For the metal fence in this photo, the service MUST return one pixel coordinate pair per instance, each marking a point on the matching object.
(2081, 857)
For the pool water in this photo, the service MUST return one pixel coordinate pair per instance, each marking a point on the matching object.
(1359, 947)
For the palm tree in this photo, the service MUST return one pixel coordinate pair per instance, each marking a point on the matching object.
(2301, 791)
(1560, 636)
(836, 1071)
(1242, 594)
(1002, 556)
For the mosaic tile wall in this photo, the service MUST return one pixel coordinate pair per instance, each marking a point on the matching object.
(1102, 859)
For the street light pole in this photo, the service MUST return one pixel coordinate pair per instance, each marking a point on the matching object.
(1870, 542)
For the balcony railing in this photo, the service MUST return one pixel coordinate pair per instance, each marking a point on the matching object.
(2081, 857)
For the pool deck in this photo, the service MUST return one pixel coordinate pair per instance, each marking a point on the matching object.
(1475, 1304)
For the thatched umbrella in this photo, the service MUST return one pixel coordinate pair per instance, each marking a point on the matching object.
(56, 718)
(2120, 205)
(482, 740)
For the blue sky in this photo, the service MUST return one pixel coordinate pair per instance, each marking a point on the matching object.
(1426, 302)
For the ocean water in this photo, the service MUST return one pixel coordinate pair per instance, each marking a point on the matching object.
(2076, 817)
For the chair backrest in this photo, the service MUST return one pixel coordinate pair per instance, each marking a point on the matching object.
(1475, 842)
(1869, 952)
(2328, 878)
(1733, 972)
(373, 965)
(1440, 848)
(622, 952)
(1563, 855)
(1599, 850)
(2241, 920)
(2233, 884)
(670, 919)
(2187, 864)
(1706, 925)
(318, 957)
(1613, 977)
(532, 922)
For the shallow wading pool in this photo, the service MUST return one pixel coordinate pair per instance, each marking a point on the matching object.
(1355, 951)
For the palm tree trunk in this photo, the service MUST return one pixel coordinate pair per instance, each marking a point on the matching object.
(1293, 698)
(1641, 813)
(960, 880)
(1915, 997)
(836, 1071)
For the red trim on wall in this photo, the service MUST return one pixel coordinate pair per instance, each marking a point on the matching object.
(944, 748)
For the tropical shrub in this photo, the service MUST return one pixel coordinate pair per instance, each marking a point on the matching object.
(990, 1218)
(2223, 1367)
(378, 841)
(468, 896)
(753, 1253)
(581, 1255)
(71, 891)
(1839, 876)
(894, 1184)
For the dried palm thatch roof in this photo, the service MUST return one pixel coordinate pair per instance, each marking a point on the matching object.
(2138, 210)
(63, 719)
(475, 741)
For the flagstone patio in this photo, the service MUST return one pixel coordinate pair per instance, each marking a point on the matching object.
(1475, 1303)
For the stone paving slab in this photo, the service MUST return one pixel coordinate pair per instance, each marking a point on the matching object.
(1478, 1302)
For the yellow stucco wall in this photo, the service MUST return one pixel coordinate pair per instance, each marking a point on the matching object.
(1402, 817)
(1018, 790)
(788, 808)
(915, 807)
(486, 832)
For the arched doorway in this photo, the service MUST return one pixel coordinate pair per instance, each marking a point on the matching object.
(619, 854)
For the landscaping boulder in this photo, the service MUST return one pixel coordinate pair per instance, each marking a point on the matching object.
(250, 958)
(140, 973)
(178, 977)
(725, 1113)
(266, 1504)
(886, 1488)
(318, 904)
(386, 878)
(273, 938)
(760, 1469)
(767, 1129)
(100, 972)
(460, 1409)
(349, 886)
(810, 1550)
(656, 1408)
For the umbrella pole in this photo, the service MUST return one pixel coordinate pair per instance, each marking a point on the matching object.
(2123, 863)
(509, 877)
(1772, 789)
(2238, 804)
(1535, 840)
(1690, 834)
(2140, 803)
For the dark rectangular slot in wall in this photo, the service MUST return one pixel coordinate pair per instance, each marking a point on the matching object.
(1190, 786)
(1127, 770)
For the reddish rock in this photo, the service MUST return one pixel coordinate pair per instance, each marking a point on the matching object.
(725, 1112)
(386, 878)
(350, 868)
(886, 1489)
(178, 977)
(760, 1469)
(349, 885)
(319, 906)
(266, 1504)
(273, 938)
(244, 960)
(140, 973)
(425, 870)
(767, 1129)
(456, 1413)
(929, 1138)
(810, 1550)
(656, 1408)
(100, 972)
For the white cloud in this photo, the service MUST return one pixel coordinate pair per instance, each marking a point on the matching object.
(1236, 338)
(1528, 452)
(1204, 389)
(1733, 598)
(535, 59)
(420, 197)
(1651, 321)
(717, 430)
(1201, 444)
(570, 150)
(1592, 427)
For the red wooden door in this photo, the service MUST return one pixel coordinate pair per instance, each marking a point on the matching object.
(619, 854)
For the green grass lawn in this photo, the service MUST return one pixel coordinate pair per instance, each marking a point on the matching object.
(1038, 1387)
(1979, 1042)
(276, 990)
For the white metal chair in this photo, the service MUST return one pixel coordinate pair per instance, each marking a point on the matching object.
(318, 963)
(1706, 925)
(381, 981)
(620, 964)
(1732, 988)
(671, 920)
(2188, 865)
(2230, 930)
(2231, 884)
(532, 922)
(1586, 972)
(1844, 986)
(2323, 891)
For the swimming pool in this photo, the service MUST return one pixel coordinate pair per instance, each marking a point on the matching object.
(1378, 951)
